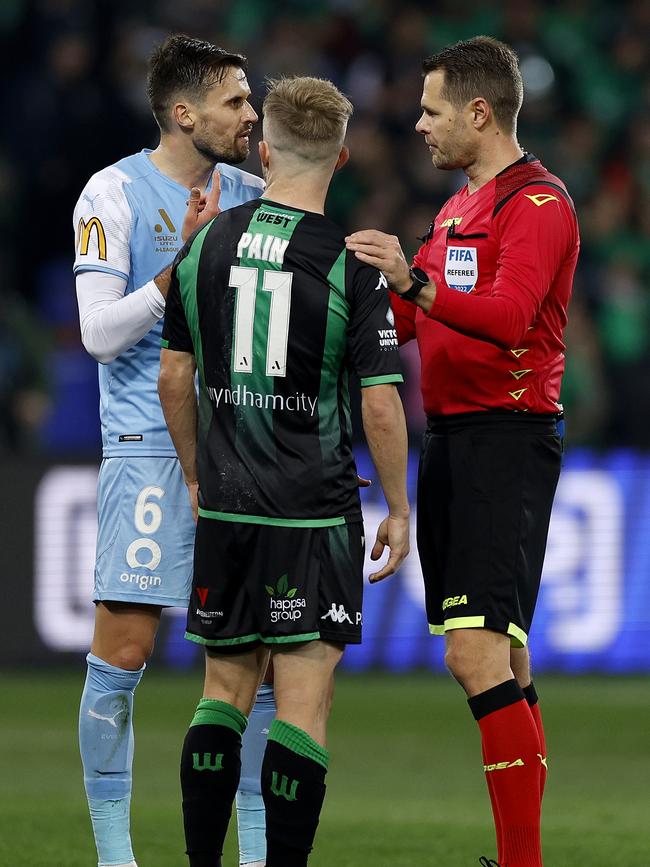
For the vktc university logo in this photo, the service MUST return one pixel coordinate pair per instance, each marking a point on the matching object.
(461, 268)
(284, 603)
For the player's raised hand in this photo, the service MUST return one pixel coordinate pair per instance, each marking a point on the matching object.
(384, 252)
(211, 208)
(394, 533)
(201, 208)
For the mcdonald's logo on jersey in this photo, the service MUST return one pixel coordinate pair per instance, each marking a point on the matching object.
(85, 231)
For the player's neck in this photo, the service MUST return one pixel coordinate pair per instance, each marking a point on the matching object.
(492, 160)
(303, 195)
(186, 166)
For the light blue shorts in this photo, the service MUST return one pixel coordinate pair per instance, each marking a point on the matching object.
(145, 539)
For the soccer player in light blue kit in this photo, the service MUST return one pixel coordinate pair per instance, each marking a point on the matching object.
(130, 221)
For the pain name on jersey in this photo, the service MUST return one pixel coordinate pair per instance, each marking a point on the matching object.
(268, 248)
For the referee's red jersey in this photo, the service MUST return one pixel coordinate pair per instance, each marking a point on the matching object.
(503, 260)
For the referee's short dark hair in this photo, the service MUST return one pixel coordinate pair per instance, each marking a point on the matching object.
(183, 66)
(483, 67)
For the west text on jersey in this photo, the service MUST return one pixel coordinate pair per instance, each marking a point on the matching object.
(274, 219)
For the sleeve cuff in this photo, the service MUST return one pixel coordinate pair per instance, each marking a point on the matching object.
(440, 302)
(155, 298)
(84, 269)
(381, 380)
(165, 344)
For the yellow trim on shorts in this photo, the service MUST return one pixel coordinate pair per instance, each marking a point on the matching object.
(477, 622)
(518, 638)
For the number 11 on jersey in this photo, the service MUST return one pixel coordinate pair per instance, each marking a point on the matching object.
(278, 283)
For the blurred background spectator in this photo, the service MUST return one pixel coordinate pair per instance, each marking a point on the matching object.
(73, 99)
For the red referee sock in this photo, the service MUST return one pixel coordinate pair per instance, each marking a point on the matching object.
(495, 806)
(533, 703)
(510, 750)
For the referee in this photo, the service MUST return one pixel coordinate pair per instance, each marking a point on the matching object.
(486, 299)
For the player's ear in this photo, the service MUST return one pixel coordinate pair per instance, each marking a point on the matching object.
(183, 116)
(344, 156)
(264, 152)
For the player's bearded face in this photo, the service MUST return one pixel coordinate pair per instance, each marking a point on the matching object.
(225, 121)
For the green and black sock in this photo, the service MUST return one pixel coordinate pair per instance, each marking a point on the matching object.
(293, 787)
(210, 769)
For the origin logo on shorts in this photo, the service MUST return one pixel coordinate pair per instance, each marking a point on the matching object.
(142, 582)
(284, 603)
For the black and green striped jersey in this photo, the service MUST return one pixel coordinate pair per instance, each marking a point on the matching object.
(277, 314)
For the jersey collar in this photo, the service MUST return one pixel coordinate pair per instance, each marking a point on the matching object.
(527, 158)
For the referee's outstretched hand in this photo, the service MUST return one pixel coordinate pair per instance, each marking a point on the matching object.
(384, 252)
(394, 533)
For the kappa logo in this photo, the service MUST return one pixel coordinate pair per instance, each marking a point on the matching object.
(338, 614)
(383, 282)
(540, 199)
(202, 593)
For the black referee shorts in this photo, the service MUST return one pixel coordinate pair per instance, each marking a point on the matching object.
(257, 583)
(485, 489)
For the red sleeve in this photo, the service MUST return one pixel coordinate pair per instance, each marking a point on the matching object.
(404, 313)
(404, 310)
(534, 240)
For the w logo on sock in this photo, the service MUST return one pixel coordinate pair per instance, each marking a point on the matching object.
(207, 764)
(283, 789)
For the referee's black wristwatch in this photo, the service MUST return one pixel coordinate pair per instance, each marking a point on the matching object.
(419, 280)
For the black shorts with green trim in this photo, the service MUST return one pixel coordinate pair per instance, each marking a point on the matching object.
(259, 583)
(485, 490)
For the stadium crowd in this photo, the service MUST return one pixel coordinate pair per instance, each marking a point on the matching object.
(74, 101)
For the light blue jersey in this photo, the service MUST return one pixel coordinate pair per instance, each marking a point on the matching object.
(128, 222)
